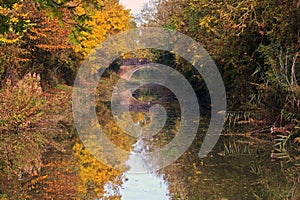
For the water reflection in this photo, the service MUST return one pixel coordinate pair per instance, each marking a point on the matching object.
(144, 186)
(238, 168)
(141, 182)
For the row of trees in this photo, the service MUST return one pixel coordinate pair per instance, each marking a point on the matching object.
(51, 38)
(255, 44)
(42, 43)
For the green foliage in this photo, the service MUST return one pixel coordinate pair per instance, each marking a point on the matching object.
(254, 43)
(53, 7)
(9, 21)
(279, 89)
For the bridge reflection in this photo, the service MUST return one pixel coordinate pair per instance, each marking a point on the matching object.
(126, 71)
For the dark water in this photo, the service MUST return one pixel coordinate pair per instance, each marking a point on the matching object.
(238, 168)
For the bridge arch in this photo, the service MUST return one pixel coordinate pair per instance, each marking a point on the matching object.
(126, 72)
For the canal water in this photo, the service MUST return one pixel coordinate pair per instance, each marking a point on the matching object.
(240, 166)
(141, 182)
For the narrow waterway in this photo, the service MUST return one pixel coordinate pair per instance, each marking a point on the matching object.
(238, 167)
(141, 182)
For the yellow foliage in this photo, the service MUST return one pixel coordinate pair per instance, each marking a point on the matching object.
(14, 19)
(95, 174)
(91, 171)
(208, 23)
(14, 15)
(79, 10)
(109, 20)
(15, 6)
(5, 39)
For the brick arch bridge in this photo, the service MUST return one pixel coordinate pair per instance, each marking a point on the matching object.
(127, 69)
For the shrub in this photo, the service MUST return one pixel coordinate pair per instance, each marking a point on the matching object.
(21, 145)
(21, 105)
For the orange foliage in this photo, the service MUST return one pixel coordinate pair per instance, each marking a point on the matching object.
(47, 33)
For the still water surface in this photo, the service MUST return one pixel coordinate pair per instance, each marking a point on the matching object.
(239, 167)
(141, 182)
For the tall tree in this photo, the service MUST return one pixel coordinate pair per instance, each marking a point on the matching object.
(43, 47)
(94, 25)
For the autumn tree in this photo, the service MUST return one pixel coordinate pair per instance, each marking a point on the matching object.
(50, 52)
(10, 41)
(94, 25)
(43, 47)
